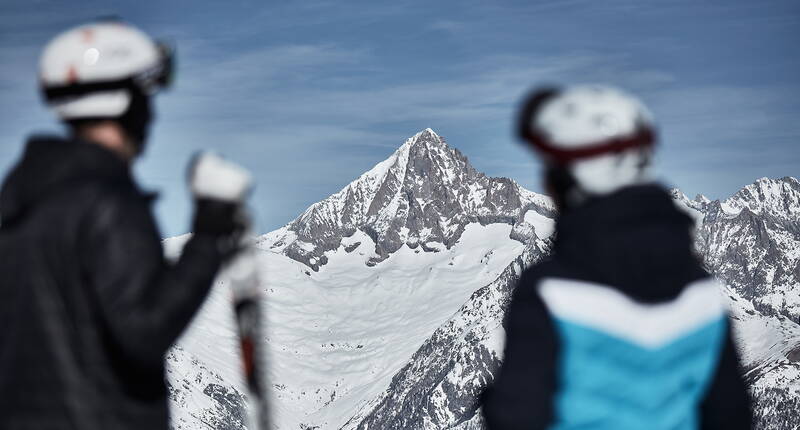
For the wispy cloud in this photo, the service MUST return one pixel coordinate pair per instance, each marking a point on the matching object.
(310, 94)
(448, 26)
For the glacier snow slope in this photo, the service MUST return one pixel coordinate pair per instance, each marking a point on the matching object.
(337, 336)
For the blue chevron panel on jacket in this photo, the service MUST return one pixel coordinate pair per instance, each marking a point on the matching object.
(625, 365)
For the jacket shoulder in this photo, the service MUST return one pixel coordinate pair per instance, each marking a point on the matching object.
(110, 206)
(533, 275)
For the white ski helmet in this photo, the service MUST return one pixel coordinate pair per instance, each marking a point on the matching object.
(602, 136)
(93, 71)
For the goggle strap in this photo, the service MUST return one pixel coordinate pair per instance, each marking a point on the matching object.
(644, 137)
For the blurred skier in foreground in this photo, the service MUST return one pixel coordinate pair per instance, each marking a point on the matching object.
(621, 328)
(88, 305)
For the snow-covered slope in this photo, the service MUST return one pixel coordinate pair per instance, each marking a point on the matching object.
(770, 352)
(439, 386)
(339, 335)
(385, 300)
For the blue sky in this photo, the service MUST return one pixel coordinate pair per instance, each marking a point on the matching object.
(311, 94)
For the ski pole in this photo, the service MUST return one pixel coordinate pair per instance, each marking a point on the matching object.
(244, 284)
(216, 178)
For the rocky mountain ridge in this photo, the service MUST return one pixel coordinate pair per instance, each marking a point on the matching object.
(752, 241)
(426, 192)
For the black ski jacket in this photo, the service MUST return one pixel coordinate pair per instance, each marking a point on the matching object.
(88, 305)
(620, 328)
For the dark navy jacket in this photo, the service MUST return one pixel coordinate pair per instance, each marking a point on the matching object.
(88, 305)
(620, 328)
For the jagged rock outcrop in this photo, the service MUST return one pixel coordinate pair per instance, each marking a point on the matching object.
(752, 241)
(201, 396)
(425, 192)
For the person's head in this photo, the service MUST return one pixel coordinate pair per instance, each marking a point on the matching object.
(99, 79)
(593, 140)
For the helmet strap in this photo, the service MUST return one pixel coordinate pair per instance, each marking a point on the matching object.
(563, 187)
(136, 119)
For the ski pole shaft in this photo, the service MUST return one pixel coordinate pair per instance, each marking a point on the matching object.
(247, 305)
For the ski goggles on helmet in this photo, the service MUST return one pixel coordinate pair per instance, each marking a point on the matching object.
(643, 134)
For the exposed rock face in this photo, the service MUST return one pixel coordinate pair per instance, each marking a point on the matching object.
(425, 192)
(752, 241)
(201, 396)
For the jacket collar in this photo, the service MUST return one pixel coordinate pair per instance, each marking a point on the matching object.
(635, 239)
(50, 163)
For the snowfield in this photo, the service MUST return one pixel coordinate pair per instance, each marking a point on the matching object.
(337, 336)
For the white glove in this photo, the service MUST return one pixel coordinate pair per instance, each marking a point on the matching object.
(220, 188)
(212, 177)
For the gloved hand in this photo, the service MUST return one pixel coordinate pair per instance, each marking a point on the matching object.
(220, 188)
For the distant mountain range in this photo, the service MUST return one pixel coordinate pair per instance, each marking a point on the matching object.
(385, 300)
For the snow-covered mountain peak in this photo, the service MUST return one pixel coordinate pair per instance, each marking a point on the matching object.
(758, 226)
(779, 198)
(423, 137)
(423, 195)
(701, 198)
